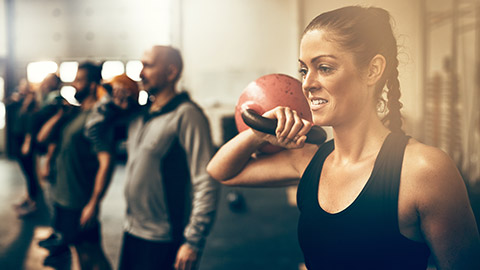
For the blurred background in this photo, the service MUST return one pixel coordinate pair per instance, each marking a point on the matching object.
(228, 43)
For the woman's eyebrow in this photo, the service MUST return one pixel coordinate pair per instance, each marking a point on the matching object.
(319, 57)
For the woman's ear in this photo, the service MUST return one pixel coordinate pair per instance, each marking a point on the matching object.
(376, 69)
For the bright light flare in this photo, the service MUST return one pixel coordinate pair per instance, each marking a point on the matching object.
(68, 71)
(142, 97)
(134, 68)
(68, 93)
(111, 69)
(37, 71)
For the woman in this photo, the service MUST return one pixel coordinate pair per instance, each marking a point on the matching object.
(371, 198)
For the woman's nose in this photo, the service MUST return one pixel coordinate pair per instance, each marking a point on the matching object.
(310, 82)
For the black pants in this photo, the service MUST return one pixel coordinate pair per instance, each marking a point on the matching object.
(67, 222)
(142, 254)
(28, 166)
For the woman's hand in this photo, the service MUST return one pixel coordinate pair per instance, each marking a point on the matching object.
(291, 129)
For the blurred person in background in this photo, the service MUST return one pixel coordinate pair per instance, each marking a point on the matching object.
(82, 177)
(50, 89)
(171, 200)
(21, 106)
(49, 102)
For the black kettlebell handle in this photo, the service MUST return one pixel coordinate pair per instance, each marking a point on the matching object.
(316, 135)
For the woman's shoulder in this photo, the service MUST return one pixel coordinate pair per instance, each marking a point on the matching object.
(422, 156)
(427, 165)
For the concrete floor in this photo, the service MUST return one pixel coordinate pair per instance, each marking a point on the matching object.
(263, 236)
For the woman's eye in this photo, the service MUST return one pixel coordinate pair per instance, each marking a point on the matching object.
(303, 71)
(325, 69)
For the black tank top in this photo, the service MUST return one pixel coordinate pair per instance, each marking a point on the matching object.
(366, 234)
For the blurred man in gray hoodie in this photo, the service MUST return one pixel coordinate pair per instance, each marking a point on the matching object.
(171, 200)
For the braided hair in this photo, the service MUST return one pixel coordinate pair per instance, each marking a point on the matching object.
(366, 31)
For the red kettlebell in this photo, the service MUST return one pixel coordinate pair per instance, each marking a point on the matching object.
(268, 92)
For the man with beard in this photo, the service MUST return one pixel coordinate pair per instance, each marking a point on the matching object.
(82, 177)
(171, 200)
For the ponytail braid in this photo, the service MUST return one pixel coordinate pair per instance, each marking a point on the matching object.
(393, 119)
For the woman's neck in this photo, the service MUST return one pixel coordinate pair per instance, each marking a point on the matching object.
(358, 140)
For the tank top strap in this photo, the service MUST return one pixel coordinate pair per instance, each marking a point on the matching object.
(385, 178)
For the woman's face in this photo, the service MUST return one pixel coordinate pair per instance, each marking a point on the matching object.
(335, 88)
(122, 96)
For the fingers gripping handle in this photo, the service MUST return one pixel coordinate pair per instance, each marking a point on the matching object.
(316, 135)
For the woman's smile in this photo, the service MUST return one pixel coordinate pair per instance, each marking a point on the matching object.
(317, 103)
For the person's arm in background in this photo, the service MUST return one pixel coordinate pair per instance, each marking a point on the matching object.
(40, 117)
(99, 129)
(195, 137)
(102, 182)
(50, 127)
(27, 144)
(46, 131)
(46, 170)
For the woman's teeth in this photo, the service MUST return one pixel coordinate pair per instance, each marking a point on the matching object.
(318, 101)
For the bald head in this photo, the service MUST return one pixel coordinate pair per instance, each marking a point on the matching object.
(162, 67)
(169, 55)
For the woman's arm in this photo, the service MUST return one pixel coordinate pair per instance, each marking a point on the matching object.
(446, 217)
(236, 162)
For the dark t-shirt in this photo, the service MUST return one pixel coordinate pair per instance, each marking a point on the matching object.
(76, 164)
(366, 234)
